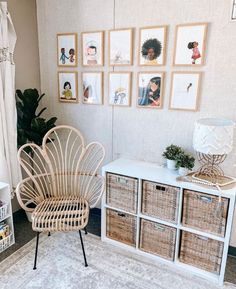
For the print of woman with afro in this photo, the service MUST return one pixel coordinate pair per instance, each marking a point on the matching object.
(151, 50)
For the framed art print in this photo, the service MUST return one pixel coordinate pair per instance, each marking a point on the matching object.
(120, 47)
(119, 88)
(190, 44)
(152, 45)
(92, 87)
(67, 49)
(68, 86)
(185, 88)
(150, 89)
(92, 48)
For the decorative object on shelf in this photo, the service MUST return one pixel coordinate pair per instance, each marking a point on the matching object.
(121, 46)
(119, 88)
(171, 154)
(233, 11)
(184, 163)
(190, 44)
(67, 49)
(68, 86)
(92, 48)
(150, 89)
(152, 45)
(185, 88)
(92, 87)
(213, 140)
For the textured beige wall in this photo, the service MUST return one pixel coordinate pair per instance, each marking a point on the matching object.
(26, 56)
(135, 132)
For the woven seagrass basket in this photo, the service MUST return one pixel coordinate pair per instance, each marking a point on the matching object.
(161, 201)
(122, 192)
(121, 227)
(157, 239)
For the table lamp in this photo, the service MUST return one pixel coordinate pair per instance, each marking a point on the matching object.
(213, 140)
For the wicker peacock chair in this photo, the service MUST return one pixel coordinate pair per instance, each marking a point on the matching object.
(62, 183)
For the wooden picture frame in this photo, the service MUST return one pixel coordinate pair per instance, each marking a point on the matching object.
(233, 11)
(92, 88)
(68, 57)
(119, 88)
(150, 96)
(190, 50)
(70, 93)
(93, 41)
(186, 85)
(119, 53)
(152, 38)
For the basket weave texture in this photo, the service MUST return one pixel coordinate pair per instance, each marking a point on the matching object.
(201, 252)
(122, 192)
(161, 201)
(157, 239)
(204, 212)
(121, 227)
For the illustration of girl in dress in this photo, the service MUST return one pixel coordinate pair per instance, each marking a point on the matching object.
(196, 53)
(150, 95)
(151, 50)
(67, 93)
(63, 56)
(72, 55)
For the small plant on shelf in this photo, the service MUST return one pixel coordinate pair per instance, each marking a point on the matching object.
(184, 163)
(171, 154)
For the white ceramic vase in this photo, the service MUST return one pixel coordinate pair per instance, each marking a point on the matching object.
(171, 164)
(183, 171)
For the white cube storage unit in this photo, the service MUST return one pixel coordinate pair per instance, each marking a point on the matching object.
(6, 216)
(147, 211)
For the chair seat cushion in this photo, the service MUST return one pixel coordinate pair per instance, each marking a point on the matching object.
(60, 214)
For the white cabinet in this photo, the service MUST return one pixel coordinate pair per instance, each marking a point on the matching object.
(6, 218)
(147, 211)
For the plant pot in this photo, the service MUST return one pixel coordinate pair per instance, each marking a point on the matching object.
(183, 171)
(29, 214)
(171, 164)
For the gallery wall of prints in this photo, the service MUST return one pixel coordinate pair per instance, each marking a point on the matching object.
(129, 130)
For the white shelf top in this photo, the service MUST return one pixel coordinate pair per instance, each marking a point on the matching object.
(156, 173)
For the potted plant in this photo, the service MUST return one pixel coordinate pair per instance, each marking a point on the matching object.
(171, 153)
(184, 163)
(31, 127)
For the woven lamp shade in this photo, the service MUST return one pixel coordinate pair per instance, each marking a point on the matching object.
(213, 136)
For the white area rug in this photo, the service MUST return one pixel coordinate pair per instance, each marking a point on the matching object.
(61, 265)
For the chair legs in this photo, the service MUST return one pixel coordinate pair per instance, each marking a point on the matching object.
(85, 230)
(49, 234)
(36, 251)
(82, 244)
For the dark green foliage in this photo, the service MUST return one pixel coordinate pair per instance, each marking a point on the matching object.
(30, 126)
(185, 161)
(172, 152)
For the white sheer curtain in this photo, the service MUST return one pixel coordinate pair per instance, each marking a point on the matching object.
(9, 168)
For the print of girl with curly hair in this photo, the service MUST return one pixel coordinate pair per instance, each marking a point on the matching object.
(151, 50)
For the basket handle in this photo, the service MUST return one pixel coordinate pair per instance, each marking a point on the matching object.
(206, 199)
(159, 227)
(202, 238)
(121, 180)
(121, 214)
(160, 188)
